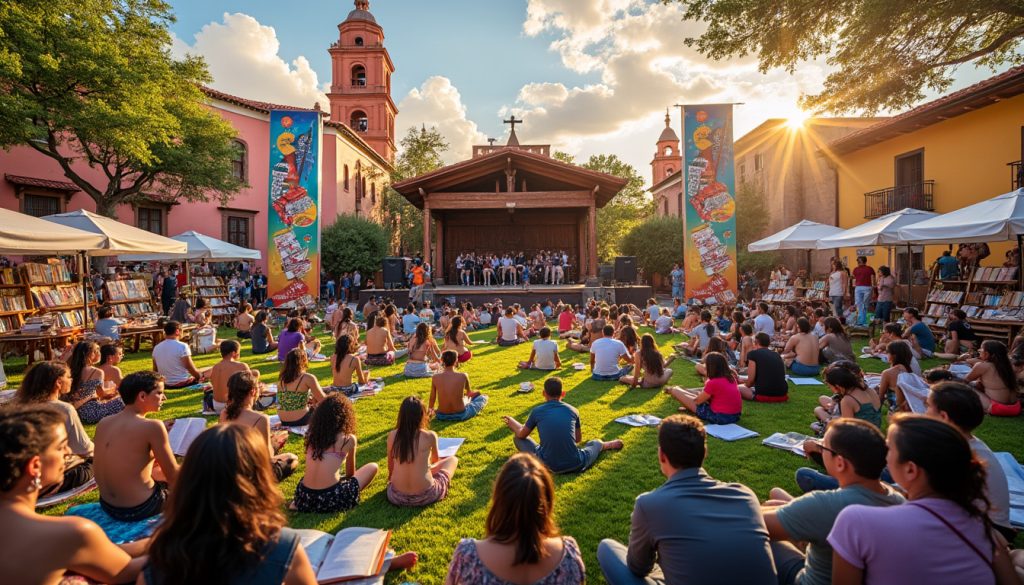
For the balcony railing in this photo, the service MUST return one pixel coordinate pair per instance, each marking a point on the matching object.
(1015, 175)
(915, 196)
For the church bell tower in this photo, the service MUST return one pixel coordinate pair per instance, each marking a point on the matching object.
(361, 81)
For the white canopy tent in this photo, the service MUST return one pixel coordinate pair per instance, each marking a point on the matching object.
(119, 238)
(881, 231)
(799, 236)
(28, 235)
(200, 246)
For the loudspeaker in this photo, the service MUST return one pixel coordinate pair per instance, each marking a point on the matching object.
(606, 273)
(394, 273)
(625, 269)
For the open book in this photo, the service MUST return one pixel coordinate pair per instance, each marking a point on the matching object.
(792, 442)
(730, 432)
(639, 420)
(355, 555)
(183, 432)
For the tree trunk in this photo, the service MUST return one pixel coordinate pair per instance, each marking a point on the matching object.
(106, 207)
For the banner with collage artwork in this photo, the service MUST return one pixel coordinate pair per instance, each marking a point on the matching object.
(294, 218)
(710, 210)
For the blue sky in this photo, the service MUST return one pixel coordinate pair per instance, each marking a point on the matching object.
(589, 76)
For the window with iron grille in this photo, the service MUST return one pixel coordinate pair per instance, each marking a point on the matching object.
(238, 231)
(40, 205)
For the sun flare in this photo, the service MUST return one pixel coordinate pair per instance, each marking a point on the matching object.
(797, 120)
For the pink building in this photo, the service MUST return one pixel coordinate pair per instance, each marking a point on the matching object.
(355, 164)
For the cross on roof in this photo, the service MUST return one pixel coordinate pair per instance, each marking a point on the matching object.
(513, 122)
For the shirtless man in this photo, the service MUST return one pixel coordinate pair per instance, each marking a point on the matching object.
(995, 380)
(224, 369)
(595, 331)
(126, 446)
(447, 390)
(244, 321)
(801, 352)
(380, 346)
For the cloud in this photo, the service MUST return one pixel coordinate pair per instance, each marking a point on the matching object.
(242, 56)
(438, 103)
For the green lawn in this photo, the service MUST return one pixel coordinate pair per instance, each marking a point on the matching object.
(590, 506)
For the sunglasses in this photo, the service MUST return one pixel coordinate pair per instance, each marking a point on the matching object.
(830, 450)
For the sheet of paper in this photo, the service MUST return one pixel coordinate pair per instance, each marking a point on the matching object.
(730, 432)
(183, 432)
(639, 420)
(446, 446)
(805, 381)
(959, 369)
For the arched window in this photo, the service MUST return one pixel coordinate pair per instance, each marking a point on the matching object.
(358, 75)
(359, 41)
(373, 193)
(669, 171)
(358, 121)
(239, 161)
(346, 177)
(668, 151)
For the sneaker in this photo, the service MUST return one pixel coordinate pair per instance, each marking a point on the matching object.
(818, 428)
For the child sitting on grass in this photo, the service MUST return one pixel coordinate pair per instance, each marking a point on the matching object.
(851, 399)
(417, 475)
(331, 442)
(544, 355)
(719, 402)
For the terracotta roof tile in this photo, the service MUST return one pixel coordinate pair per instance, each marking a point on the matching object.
(41, 183)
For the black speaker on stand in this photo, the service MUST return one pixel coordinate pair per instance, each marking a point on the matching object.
(625, 269)
(394, 273)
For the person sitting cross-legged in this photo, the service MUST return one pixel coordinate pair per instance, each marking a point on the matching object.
(649, 367)
(719, 402)
(510, 331)
(456, 400)
(243, 393)
(559, 427)
(417, 475)
(853, 452)
(544, 355)
(693, 528)
(766, 373)
(605, 354)
(172, 358)
(801, 352)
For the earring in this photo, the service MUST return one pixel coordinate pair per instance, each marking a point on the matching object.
(36, 484)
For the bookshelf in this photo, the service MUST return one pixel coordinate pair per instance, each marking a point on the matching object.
(817, 291)
(52, 291)
(214, 290)
(779, 291)
(14, 305)
(994, 308)
(128, 298)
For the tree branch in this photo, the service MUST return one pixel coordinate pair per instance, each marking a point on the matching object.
(989, 48)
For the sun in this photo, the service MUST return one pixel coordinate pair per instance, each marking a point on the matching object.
(797, 120)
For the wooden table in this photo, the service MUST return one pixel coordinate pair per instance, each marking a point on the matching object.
(30, 342)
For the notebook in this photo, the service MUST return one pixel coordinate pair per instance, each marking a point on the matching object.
(354, 555)
(446, 447)
(639, 420)
(183, 432)
(730, 432)
(792, 442)
(805, 381)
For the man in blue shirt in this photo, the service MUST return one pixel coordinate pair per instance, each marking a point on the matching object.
(677, 281)
(410, 320)
(918, 333)
(558, 425)
(949, 267)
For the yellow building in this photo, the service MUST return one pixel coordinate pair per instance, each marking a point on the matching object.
(944, 155)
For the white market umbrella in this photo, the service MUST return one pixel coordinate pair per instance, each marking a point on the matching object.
(200, 246)
(120, 238)
(28, 235)
(881, 231)
(800, 236)
(993, 220)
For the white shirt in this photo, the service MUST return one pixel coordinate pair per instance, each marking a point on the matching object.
(654, 311)
(167, 355)
(545, 351)
(764, 323)
(607, 352)
(835, 284)
(663, 324)
(507, 327)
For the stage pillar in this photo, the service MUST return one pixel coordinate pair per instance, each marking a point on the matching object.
(439, 251)
(581, 248)
(592, 240)
(426, 229)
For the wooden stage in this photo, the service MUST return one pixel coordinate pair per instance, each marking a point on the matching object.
(478, 295)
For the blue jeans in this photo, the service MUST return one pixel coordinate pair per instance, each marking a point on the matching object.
(472, 409)
(803, 369)
(591, 451)
(837, 306)
(677, 291)
(862, 294)
(883, 309)
(612, 377)
(611, 555)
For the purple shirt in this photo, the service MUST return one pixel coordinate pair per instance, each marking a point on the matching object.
(901, 544)
(288, 341)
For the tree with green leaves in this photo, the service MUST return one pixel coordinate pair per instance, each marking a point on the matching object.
(421, 153)
(657, 244)
(885, 55)
(623, 213)
(354, 243)
(93, 81)
(751, 225)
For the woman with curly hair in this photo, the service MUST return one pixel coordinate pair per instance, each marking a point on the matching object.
(88, 395)
(40, 549)
(243, 392)
(297, 390)
(942, 535)
(330, 443)
(417, 476)
(223, 522)
(522, 544)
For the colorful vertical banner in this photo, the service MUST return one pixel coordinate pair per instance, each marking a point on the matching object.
(710, 219)
(293, 218)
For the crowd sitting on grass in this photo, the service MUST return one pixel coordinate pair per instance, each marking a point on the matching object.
(927, 490)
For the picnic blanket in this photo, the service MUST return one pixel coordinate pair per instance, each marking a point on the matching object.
(1015, 480)
(118, 532)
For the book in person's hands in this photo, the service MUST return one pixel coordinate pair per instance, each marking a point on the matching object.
(639, 420)
(352, 555)
(792, 442)
(729, 432)
(183, 432)
(446, 447)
